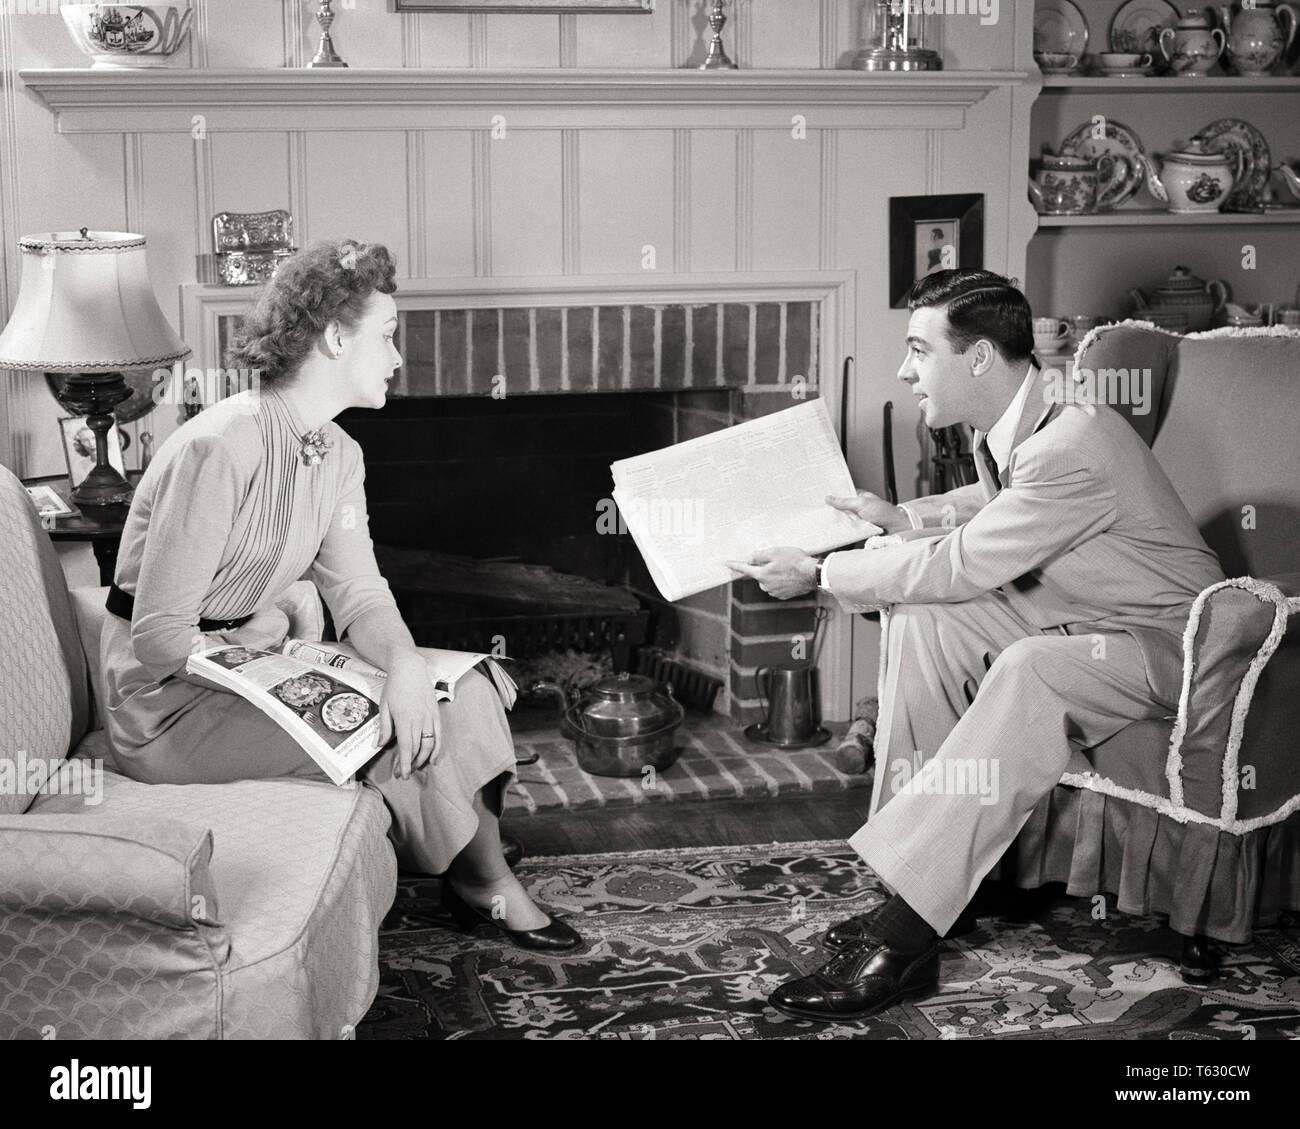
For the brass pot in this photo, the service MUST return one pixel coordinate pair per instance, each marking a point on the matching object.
(623, 723)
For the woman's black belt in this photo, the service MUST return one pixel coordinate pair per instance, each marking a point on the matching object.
(122, 604)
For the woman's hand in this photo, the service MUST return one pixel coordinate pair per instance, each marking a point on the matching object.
(408, 710)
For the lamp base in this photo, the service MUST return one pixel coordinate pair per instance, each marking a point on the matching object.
(94, 395)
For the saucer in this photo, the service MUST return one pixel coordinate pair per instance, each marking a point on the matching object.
(1125, 72)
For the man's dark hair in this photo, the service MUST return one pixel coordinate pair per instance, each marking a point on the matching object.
(979, 304)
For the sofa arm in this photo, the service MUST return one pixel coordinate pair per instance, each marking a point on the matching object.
(1233, 629)
(156, 872)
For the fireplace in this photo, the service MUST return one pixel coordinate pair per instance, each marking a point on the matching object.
(496, 442)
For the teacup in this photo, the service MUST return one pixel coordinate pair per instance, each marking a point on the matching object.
(1055, 60)
(1081, 323)
(1122, 61)
(1051, 327)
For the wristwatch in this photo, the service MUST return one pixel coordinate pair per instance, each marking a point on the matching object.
(821, 574)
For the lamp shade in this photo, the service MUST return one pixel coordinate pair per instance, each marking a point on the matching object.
(86, 306)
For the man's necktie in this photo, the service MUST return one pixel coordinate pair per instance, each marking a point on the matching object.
(990, 464)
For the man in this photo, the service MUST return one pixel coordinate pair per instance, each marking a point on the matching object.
(1035, 611)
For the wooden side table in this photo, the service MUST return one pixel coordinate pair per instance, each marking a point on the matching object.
(100, 525)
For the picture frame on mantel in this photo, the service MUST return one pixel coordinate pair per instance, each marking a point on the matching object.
(540, 7)
(930, 233)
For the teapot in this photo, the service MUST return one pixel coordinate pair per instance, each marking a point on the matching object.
(620, 724)
(1255, 37)
(1192, 179)
(1184, 293)
(1289, 175)
(1066, 186)
(1193, 46)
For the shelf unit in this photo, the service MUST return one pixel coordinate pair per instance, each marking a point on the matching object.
(1151, 217)
(1086, 263)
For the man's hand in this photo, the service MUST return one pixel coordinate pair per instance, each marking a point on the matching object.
(870, 507)
(783, 573)
(408, 710)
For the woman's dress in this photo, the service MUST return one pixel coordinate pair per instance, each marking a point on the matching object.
(227, 516)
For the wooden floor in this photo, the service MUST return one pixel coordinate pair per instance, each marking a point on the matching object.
(717, 823)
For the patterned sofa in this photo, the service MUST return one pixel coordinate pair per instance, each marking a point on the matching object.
(247, 910)
(1197, 816)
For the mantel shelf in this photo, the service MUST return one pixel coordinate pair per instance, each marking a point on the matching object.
(168, 100)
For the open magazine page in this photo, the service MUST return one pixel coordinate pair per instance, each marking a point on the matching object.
(445, 667)
(719, 497)
(332, 713)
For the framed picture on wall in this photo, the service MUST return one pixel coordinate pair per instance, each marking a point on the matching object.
(931, 233)
(79, 448)
(551, 6)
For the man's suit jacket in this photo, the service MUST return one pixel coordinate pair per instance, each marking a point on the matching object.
(1083, 531)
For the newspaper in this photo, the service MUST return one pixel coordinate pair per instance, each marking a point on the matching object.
(720, 497)
(326, 696)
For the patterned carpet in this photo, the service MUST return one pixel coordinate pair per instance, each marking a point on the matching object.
(687, 944)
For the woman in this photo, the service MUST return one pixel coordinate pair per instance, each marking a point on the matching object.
(246, 498)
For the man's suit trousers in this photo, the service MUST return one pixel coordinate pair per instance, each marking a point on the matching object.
(979, 713)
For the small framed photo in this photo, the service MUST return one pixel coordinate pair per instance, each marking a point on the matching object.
(79, 448)
(932, 233)
(49, 504)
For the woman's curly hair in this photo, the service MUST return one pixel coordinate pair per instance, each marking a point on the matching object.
(324, 282)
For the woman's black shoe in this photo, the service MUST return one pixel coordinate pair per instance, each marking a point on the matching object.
(555, 936)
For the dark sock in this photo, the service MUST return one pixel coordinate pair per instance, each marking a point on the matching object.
(901, 927)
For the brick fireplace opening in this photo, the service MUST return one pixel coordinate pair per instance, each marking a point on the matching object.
(496, 442)
(500, 429)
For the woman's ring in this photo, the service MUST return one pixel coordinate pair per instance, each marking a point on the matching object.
(427, 736)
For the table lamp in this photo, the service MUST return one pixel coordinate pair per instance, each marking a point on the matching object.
(85, 312)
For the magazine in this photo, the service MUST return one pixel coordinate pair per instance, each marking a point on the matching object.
(326, 696)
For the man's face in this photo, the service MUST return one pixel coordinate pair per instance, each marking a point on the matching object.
(940, 378)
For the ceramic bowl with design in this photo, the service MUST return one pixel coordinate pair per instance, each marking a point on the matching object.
(128, 35)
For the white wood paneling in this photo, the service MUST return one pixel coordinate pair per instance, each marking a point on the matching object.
(787, 200)
(625, 196)
(711, 221)
(527, 204)
(449, 185)
(357, 187)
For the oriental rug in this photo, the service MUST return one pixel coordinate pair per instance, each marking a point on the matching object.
(687, 944)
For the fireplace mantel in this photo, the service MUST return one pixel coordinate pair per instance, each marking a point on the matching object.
(170, 100)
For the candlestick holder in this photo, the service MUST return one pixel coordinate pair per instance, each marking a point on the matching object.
(325, 55)
(717, 59)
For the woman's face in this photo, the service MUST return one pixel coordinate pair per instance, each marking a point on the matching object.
(371, 356)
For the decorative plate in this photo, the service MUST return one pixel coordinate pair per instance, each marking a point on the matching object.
(1059, 27)
(303, 691)
(1137, 26)
(1254, 166)
(345, 711)
(1118, 155)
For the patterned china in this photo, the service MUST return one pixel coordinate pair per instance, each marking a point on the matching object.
(1056, 62)
(1193, 46)
(1118, 153)
(1059, 27)
(1183, 292)
(1137, 25)
(1066, 186)
(1256, 39)
(128, 35)
(1254, 161)
(1192, 179)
